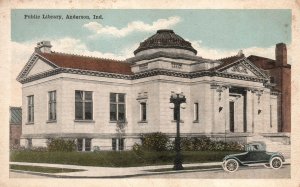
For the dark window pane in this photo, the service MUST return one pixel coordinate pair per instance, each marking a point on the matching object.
(231, 116)
(113, 97)
(78, 95)
(121, 112)
(144, 111)
(30, 109)
(88, 110)
(32, 114)
(196, 112)
(54, 110)
(87, 144)
(121, 144)
(79, 144)
(78, 110)
(29, 115)
(113, 112)
(121, 98)
(114, 144)
(88, 96)
(175, 114)
(52, 105)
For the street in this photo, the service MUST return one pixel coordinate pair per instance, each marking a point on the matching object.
(258, 172)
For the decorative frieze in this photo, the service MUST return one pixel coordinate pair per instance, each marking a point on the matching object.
(176, 65)
(239, 69)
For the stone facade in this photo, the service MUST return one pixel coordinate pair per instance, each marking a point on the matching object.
(234, 97)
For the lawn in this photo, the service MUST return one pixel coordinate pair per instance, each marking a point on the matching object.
(116, 159)
(42, 169)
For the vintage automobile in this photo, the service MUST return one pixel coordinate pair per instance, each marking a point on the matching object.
(255, 154)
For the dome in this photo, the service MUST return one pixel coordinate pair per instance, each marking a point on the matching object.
(165, 39)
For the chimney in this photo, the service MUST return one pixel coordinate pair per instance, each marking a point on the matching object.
(281, 54)
(44, 47)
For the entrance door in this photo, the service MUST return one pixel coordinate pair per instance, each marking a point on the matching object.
(231, 116)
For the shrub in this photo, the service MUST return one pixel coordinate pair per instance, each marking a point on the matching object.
(155, 142)
(206, 144)
(186, 144)
(61, 145)
(23, 148)
(160, 142)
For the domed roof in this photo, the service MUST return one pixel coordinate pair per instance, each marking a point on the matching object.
(165, 39)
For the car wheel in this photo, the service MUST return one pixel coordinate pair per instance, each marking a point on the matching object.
(231, 165)
(276, 162)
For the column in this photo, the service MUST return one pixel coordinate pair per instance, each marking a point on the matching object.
(249, 109)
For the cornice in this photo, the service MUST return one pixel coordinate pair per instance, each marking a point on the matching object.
(168, 55)
(144, 74)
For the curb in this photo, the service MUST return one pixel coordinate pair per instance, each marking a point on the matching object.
(218, 167)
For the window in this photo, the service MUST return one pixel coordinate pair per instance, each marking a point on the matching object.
(52, 105)
(29, 142)
(83, 105)
(118, 144)
(30, 109)
(79, 144)
(117, 107)
(174, 114)
(196, 112)
(84, 144)
(143, 111)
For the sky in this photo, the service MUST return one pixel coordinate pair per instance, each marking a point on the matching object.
(213, 33)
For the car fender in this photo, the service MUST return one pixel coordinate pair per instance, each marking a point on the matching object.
(277, 154)
(233, 157)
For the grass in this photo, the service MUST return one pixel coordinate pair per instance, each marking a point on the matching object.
(116, 159)
(42, 169)
(185, 168)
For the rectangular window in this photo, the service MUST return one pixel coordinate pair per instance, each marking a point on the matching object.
(231, 116)
(118, 144)
(88, 144)
(83, 105)
(79, 144)
(114, 144)
(52, 105)
(29, 142)
(196, 112)
(117, 107)
(174, 114)
(143, 111)
(30, 109)
(84, 144)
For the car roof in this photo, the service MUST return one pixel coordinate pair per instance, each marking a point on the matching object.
(257, 142)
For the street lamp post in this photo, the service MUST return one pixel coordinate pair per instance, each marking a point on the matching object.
(177, 99)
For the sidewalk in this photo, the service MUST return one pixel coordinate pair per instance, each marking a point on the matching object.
(114, 172)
